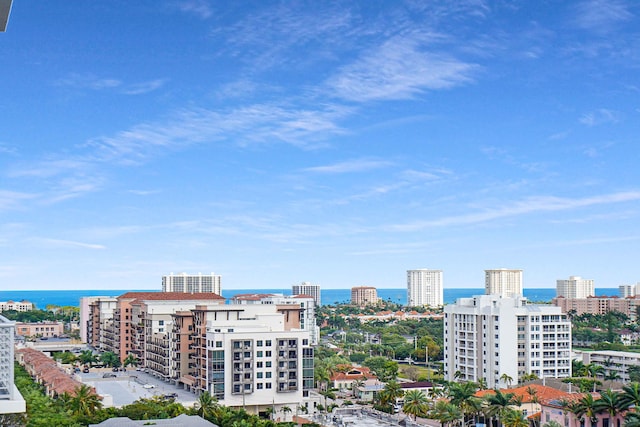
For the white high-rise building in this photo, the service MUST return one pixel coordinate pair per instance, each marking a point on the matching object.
(629, 290)
(11, 401)
(306, 288)
(497, 338)
(424, 287)
(503, 282)
(575, 287)
(192, 283)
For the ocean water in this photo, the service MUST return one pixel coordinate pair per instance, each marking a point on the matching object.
(328, 296)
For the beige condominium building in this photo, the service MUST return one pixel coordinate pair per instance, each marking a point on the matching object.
(364, 295)
(575, 287)
(503, 281)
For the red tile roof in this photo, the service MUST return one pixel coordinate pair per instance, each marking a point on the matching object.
(542, 393)
(47, 371)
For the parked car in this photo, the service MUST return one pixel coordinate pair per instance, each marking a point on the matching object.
(108, 375)
(85, 370)
(149, 386)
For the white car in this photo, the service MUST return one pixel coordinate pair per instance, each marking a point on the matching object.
(149, 386)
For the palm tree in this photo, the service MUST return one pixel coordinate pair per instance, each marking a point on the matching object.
(110, 359)
(632, 419)
(578, 368)
(285, 410)
(131, 359)
(415, 403)
(506, 379)
(85, 401)
(585, 407)
(391, 392)
(498, 403)
(87, 357)
(513, 418)
(630, 396)
(462, 395)
(608, 402)
(593, 370)
(328, 394)
(447, 413)
(206, 405)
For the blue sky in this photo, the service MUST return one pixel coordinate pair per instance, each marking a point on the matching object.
(338, 142)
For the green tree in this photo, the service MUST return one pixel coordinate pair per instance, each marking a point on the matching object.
(585, 408)
(385, 369)
(206, 405)
(84, 401)
(131, 359)
(391, 392)
(608, 403)
(498, 402)
(630, 396)
(513, 418)
(86, 357)
(447, 413)
(415, 403)
(110, 359)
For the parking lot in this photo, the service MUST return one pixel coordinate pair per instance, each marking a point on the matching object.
(132, 385)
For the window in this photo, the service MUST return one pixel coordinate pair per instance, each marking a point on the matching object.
(267, 343)
(219, 344)
(259, 386)
(258, 364)
(268, 385)
(267, 374)
(259, 353)
(259, 343)
(259, 375)
(268, 353)
(267, 364)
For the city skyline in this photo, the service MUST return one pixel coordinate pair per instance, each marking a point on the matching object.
(341, 144)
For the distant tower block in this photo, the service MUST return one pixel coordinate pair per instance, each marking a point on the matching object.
(424, 287)
(192, 283)
(503, 282)
(306, 288)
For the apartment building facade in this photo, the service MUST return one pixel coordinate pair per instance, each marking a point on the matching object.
(575, 287)
(504, 282)
(364, 295)
(11, 401)
(613, 362)
(21, 306)
(425, 288)
(306, 303)
(598, 305)
(494, 337)
(192, 283)
(40, 329)
(306, 288)
(250, 355)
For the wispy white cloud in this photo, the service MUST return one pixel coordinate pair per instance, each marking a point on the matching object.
(49, 168)
(144, 87)
(5, 149)
(89, 81)
(400, 68)
(59, 243)
(144, 192)
(356, 165)
(599, 117)
(601, 15)
(523, 207)
(260, 123)
(200, 8)
(14, 199)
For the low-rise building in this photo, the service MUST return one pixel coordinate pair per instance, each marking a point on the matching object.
(345, 380)
(616, 364)
(597, 305)
(40, 329)
(21, 306)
